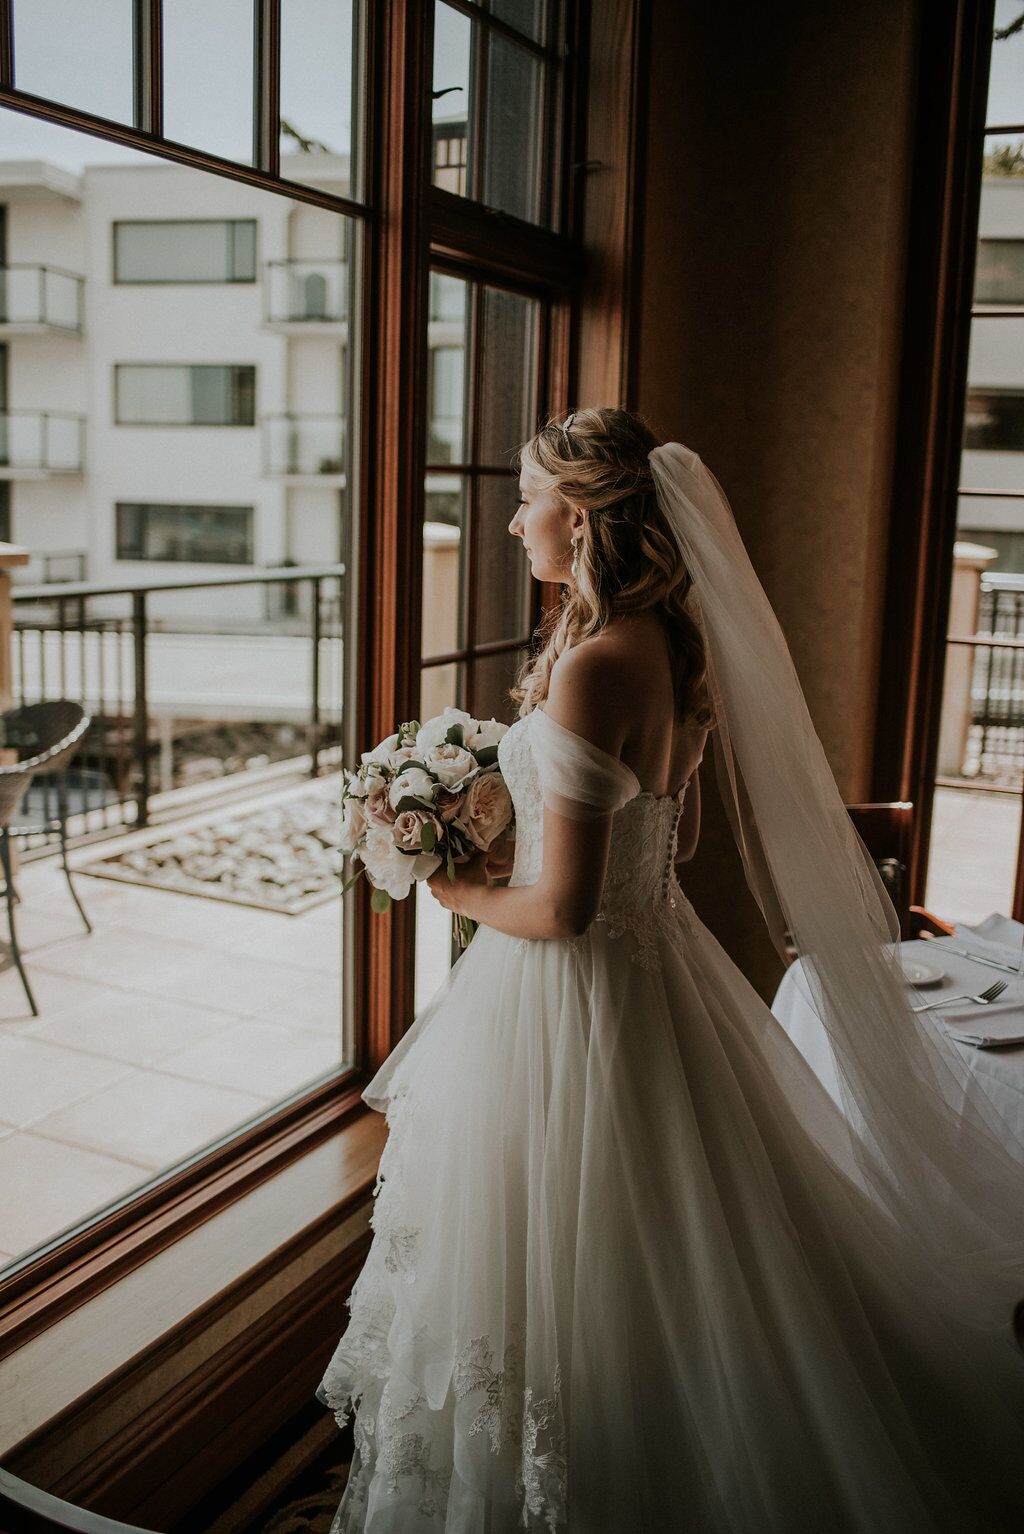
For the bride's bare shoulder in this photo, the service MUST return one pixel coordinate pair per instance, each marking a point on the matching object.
(588, 690)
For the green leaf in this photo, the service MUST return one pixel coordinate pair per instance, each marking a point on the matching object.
(428, 836)
(450, 864)
(487, 755)
(349, 882)
(410, 802)
(380, 900)
(455, 736)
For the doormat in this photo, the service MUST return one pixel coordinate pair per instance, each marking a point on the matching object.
(284, 857)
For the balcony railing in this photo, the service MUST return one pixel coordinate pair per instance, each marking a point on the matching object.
(40, 298)
(39, 442)
(307, 292)
(166, 691)
(305, 445)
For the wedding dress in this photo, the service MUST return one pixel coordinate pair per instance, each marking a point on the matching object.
(633, 1268)
(623, 1274)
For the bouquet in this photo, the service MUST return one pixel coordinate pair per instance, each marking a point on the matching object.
(429, 794)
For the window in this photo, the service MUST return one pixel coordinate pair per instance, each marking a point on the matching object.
(999, 276)
(214, 535)
(185, 250)
(995, 420)
(154, 394)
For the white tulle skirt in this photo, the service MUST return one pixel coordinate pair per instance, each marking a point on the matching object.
(624, 1277)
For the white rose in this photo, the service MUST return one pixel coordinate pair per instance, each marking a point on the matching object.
(451, 764)
(434, 731)
(412, 781)
(403, 754)
(388, 868)
(382, 752)
(353, 824)
(487, 733)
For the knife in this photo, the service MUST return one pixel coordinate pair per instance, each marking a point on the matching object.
(965, 953)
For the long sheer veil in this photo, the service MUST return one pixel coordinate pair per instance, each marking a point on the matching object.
(930, 1146)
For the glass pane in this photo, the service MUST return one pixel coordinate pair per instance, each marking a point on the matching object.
(513, 179)
(493, 675)
(504, 582)
(441, 687)
(525, 15)
(316, 93)
(1006, 73)
(994, 418)
(208, 76)
(509, 326)
(173, 250)
(453, 40)
(973, 857)
(78, 54)
(446, 369)
(443, 556)
(999, 274)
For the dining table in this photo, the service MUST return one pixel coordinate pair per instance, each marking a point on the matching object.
(992, 951)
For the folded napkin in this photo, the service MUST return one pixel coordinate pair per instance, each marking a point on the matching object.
(986, 1027)
(997, 937)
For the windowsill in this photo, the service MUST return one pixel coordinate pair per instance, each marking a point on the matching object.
(102, 1336)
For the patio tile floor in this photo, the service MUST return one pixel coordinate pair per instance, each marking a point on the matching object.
(176, 1021)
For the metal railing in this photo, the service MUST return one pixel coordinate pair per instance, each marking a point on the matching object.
(43, 296)
(51, 440)
(187, 687)
(995, 739)
(306, 292)
(304, 444)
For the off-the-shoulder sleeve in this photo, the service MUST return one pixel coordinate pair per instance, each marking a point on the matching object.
(577, 778)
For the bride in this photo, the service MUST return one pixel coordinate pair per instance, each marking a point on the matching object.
(633, 1269)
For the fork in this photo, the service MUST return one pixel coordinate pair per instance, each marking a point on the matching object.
(991, 993)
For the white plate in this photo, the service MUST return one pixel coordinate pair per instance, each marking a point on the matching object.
(918, 973)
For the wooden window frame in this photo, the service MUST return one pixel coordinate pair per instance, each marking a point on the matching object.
(953, 49)
(405, 225)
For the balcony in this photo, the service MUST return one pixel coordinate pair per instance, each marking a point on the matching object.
(40, 300)
(305, 449)
(307, 297)
(37, 444)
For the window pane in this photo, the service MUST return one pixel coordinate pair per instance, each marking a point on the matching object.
(443, 558)
(206, 395)
(453, 38)
(208, 76)
(995, 418)
(316, 92)
(504, 582)
(78, 54)
(509, 326)
(196, 534)
(171, 250)
(999, 276)
(513, 179)
(525, 15)
(973, 857)
(446, 380)
(493, 675)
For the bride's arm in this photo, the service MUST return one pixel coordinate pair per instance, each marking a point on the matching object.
(585, 695)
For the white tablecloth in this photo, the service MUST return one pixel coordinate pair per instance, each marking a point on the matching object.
(1000, 1071)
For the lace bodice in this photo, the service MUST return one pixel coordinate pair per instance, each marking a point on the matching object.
(641, 892)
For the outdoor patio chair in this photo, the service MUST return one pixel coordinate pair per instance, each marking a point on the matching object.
(46, 737)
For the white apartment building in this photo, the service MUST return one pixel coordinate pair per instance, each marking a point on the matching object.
(174, 375)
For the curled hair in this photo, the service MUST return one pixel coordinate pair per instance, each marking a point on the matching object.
(627, 558)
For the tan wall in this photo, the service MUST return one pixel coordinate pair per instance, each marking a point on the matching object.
(774, 213)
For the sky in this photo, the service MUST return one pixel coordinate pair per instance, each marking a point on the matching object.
(81, 53)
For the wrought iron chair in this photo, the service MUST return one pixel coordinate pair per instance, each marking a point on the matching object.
(46, 736)
(24, 1509)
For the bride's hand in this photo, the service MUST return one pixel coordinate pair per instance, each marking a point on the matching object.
(468, 876)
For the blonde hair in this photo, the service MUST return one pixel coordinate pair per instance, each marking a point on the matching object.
(627, 559)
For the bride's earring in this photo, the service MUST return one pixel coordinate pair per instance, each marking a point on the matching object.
(573, 567)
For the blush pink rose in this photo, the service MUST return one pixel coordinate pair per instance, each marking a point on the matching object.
(408, 829)
(379, 811)
(488, 809)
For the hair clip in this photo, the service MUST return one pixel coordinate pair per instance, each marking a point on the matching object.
(567, 423)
